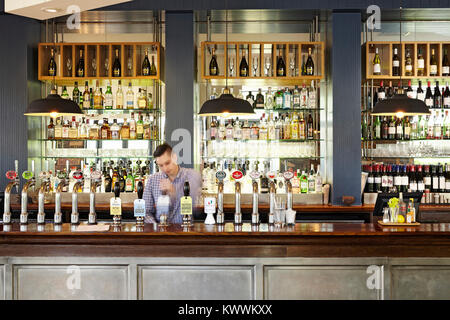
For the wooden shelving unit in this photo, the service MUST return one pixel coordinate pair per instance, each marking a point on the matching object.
(103, 53)
(386, 52)
(262, 51)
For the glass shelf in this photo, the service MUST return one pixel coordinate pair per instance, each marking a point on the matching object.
(56, 140)
(126, 110)
(384, 141)
(92, 157)
(275, 157)
(273, 140)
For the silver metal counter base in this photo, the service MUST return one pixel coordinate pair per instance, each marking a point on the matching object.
(224, 278)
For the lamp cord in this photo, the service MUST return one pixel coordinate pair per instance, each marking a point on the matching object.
(226, 42)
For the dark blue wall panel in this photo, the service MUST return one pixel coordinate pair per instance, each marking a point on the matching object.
(346, 79)
(179, 79)
(18, 64)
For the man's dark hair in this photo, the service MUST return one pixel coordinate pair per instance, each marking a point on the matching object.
(161, 149)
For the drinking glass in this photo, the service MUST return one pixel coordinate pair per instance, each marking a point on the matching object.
(394, 214)
(292, 66)
(129, 65)
(267, 65)
(280, 212)
(255, 65)
(106, 65)
(69, 67)
(94, 67)
(231, 65)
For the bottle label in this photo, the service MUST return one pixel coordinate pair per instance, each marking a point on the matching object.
(377, 180)
(447, 101)
(384, 181)
(445, 70)
(447, 185)
(408, 67)
(421, 96)
(391, 130)
(396, 63)
(427, 181)
(442, 183)
(435, 183)
(378, 132)
(433, 69)
(407, 131)
(397, 181)
(376, 68)
(390, 181)
(213, 132)
(139, 130)
(410, 94)
(370, 180)
(279, 101)
(429, 102)
(399, 129)
(405, 181)
(130, 104)
(421, 63)
(381, 95)
(420, 186)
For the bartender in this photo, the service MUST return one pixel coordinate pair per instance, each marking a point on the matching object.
(169, 181)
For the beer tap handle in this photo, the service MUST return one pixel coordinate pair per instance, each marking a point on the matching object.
(117, 190)
(140, 189)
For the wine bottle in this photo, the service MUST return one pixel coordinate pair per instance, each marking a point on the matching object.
(437, 103)
(146, 64)
(213, 67)
(429, 96)
(420, 93)
(52, 64)
(408, 64)
(243, 67)
(420, 64)
(116, 65)
(376, 63)
(80, 65)
(381, 94)
(309, 64)
(445, 65)
(446, 97)
(433, 64)
(281, 67)
(409, 91)
(395, 64)
(153, 70)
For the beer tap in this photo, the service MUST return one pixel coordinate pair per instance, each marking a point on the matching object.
(255, 200)
(271, 201)
(186, 207)
(237, 203)
(139, 205)
(58, 214)
(75, 216)
(95, 182)
(27, 175)
(220, 218)
(116, 206)
(15, 181)
(288, 175)
(45, 187)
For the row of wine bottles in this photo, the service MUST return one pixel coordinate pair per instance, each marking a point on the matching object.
(147, 68)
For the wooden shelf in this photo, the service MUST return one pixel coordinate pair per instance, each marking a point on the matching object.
(386, 49)
(103, 55)
(259, 52)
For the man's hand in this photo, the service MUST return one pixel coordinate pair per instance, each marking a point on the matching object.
(168, 187)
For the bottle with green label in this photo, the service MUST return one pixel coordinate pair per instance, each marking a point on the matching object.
(129, 182)
(303, 182)
(108, 97)
(65, 94)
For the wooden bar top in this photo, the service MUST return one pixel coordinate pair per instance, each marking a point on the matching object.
(301, 240)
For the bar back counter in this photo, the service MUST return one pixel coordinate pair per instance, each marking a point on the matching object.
(305, 261)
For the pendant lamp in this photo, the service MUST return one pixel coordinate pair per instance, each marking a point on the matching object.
(400, 105)
(226, 104)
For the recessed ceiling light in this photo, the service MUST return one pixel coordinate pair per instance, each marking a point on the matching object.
(51, 10)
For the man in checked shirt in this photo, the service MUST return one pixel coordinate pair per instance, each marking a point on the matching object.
(170, 181)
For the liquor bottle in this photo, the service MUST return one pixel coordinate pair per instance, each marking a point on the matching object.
(52, 64)
(115, 130)
(295, 182)
(309, 64)
(392, 129)
(287, 102)
(251, 99)
(430, 127)
(427, 178)
(73, 130)
(437, 103)
(312, 96)
(94, 131)
(296, 98)
(399, 129)
(213, 66)
(445, 65)
(141, 99)
(279, 98)
(221, 131)
(420, 64)
(102, 97)
(108, 180)
(429, 96)
(318, 180)
(286, 128)
(377, 128)
(76, 94)
(263, 132)
(433, 65)
(146, 64)
(420, 93)
(294, 127)
(80, 65)
(304, 97)
(312, 180)
(86, 96)
(303, 183)
(406, 129)
(65, 130)
(409, 91)
(108, 97)
(271, 133)
(376, 63)
(301, 128)
(269, 99)
(130, 97)
(140, 128)
(408, 64)
(119, 96)
(310, 128)
(116, 65)
(384, 129)
(153, 71)
(83, 129)
(65, 94)
(97, 97)
(51, 130)
(281, 66)
(246, 131)
(129, 181)
(395, 64)
(401, 206)
(229, 131)
(446, 97)
(237, 130)
(259, 104)
(303, 66)
(243, 67)
(105, 133)
(212, 129)
(381, 94)
(125, 130)
(438, 124)
(58, 129)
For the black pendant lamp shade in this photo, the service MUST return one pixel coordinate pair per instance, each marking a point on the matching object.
(226, 105)
(400, 105)
(53, 106)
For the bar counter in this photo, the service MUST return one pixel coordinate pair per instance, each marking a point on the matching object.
(305, 261)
